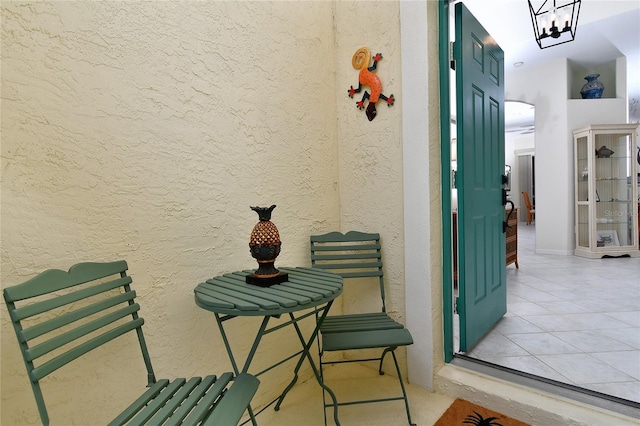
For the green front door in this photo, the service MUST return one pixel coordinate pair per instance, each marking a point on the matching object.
(480, 139)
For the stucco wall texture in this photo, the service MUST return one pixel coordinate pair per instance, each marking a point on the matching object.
(145, 130)
(370, 153)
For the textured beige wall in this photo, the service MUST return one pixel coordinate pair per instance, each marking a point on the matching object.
(144, 131)
(370, 152)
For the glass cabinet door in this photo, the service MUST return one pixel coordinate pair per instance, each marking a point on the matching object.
(613, 188)
(582, 192)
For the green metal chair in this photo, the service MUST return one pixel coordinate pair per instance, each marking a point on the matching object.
(60, 316)
(356, 255)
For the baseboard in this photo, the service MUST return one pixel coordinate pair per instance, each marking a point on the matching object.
(537, 406)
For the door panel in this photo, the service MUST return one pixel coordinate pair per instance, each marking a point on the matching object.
(480, 134)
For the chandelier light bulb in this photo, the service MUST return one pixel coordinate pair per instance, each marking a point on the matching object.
(566, 21)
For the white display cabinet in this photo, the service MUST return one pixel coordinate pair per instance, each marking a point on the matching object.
(606, 190)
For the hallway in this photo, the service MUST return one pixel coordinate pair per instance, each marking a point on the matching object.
(570, 319)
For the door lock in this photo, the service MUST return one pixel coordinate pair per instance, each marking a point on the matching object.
(505, 201)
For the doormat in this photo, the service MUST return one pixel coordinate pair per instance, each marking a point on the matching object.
(463, 413)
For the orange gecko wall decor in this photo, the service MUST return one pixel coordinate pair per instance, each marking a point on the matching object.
(366, 77)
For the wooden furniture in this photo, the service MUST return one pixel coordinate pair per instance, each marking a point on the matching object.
(511, 241)
(606, 190)
(229, 296)
(357, 257)
(60, 316)
(531, 211)
(512, 238)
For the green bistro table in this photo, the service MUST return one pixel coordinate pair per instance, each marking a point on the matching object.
(229, 296)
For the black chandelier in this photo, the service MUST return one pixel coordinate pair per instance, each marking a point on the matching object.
(555, 24)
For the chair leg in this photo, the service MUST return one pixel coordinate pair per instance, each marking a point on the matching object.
(384, 353)
(324, 397)
(325, 390)
(404, 392)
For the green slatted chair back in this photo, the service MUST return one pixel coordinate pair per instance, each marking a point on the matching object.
(60, 316)
(351, 255)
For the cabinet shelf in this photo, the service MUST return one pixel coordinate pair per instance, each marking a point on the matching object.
(605, 201)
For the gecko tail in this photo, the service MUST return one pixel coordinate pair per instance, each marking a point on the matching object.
(371, 111)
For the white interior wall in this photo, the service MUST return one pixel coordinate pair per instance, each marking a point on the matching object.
(547, 88)
(422, 206)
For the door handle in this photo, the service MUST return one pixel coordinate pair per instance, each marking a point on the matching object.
(505, 223)
(505, 201)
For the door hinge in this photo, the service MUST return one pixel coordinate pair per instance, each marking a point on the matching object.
(454, 180)
(452, 61)
(455, 305)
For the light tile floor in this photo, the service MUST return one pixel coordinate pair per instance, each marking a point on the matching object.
(570, 319)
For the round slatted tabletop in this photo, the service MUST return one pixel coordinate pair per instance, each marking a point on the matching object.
(230, 294)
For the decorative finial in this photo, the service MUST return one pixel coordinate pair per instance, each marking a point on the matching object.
(264, 213)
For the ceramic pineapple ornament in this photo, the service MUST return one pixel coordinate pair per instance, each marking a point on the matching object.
(264, 245)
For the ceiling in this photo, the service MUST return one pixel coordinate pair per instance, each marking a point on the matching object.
(607, 29)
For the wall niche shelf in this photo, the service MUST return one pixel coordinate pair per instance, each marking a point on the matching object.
(608, 71)
(606, 191)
